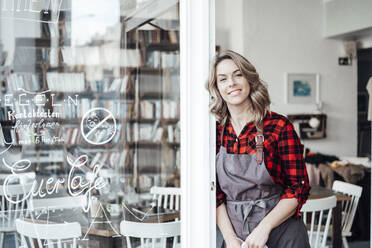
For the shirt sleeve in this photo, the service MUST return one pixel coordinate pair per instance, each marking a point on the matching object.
(291, 156)
(220, 195)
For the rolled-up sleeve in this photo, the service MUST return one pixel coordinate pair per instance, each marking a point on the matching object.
(296, 180)
(220, 195)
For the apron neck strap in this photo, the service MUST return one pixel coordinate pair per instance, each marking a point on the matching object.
(259, 143)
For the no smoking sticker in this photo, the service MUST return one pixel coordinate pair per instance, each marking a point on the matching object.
(98, 126)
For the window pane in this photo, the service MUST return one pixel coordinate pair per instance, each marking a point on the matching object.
(89, 113)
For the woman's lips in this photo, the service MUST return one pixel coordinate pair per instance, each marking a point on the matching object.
(234, 92)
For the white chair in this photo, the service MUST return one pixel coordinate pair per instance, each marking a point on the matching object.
(319, 211)
(167, 197)
(151, 235)
(10, 211)
(24, 177)
(60, 203)
(48, 235)
(348, 207)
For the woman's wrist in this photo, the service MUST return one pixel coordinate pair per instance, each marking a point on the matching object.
(266, 226)
(231, 238)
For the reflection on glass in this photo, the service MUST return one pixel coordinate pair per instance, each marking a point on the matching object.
(89, 113)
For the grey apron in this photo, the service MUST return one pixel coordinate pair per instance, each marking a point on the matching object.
(251, 194)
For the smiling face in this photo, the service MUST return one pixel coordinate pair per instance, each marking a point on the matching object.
(231, 83)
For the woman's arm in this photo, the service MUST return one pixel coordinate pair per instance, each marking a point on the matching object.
(226, 228)
(296, 186)
(281, 212)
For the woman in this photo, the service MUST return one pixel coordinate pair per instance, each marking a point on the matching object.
(262, 179)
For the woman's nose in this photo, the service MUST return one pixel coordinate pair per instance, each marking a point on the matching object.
(230, 82)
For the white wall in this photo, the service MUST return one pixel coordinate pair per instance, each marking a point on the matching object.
(286, 36)
(229, 16)
(345, 16)
(11, 29)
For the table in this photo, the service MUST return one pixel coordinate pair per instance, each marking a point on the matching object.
(103, 231)
(318, 192)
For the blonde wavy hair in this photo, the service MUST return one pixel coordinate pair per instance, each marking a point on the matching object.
(258, 96)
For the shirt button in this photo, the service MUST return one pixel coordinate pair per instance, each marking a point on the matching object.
(302, 182)
(236, 140)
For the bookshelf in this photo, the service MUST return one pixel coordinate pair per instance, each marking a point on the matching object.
(135, 77)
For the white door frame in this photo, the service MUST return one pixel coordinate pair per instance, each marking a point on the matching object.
(197, 46)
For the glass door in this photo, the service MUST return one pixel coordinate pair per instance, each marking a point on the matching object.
(90, 121)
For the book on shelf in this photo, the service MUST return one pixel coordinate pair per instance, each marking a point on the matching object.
(170, 132)
(116, 85)
(68, 134)
(173, 36)
(121, 109)
(170, 109)
(162, 59)
(173, 133)
(65, 82)
(153, 36)
(178, 160)
(177, 133)
(110, 159)
(135, 132)
(157, 131)
(26, 81)
(108, 56)
(95, 159)
(2, 138)
(117, 134)
(150, 109)
(158, 134)
(44, 156)
(74, 136)
(128, 133)
(144, 132)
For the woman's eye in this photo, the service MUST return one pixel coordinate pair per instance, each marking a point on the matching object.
(239, 75)
(222, 79)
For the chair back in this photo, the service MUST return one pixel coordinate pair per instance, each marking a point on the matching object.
(48, 235)
(317, 215)
(66, 202)
(11, 210)
(24, 177)
(150, 234)
(349, 207)
(167, 197)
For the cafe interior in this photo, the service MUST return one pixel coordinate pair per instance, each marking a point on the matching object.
(98, 160)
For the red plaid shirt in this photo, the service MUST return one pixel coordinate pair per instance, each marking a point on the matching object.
(283, 155)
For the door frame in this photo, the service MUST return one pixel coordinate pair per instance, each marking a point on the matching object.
(197, 47)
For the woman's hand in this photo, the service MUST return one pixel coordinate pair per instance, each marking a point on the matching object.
(259, 237)
(234, 242)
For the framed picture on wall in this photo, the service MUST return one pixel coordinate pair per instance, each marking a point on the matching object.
(302, 88)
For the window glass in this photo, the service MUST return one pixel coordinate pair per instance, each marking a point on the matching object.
(89, 113)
